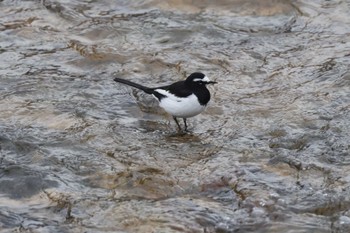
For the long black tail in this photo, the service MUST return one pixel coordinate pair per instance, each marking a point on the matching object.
(138, 86)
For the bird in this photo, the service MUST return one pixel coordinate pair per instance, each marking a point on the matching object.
(182, 99)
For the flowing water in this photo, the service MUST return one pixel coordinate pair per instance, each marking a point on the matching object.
(81, 153)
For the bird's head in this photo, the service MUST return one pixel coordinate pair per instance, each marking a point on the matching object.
(198, 79)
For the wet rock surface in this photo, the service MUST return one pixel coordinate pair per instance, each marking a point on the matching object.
(80, 153)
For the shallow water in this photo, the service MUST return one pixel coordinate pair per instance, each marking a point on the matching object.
(80, 153)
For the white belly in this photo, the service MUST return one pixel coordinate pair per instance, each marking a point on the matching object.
(180, 107)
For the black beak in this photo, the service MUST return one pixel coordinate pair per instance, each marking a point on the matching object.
(212, 82)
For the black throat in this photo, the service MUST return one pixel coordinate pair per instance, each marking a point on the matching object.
(202, 94)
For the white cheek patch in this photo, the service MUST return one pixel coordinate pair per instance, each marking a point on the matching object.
(205, 79)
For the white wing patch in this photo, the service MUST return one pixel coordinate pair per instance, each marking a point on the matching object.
(168, 94)
(178, 106)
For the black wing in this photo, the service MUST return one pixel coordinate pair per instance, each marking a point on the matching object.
(179, 89)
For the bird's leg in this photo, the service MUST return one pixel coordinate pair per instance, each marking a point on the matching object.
(178, 125)
(185, 123)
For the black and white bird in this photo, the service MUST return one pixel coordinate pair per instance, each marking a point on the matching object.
(182, 99)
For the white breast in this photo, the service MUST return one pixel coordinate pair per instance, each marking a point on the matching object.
(180, 107)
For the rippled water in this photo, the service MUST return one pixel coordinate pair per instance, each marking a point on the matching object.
(80, 153)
